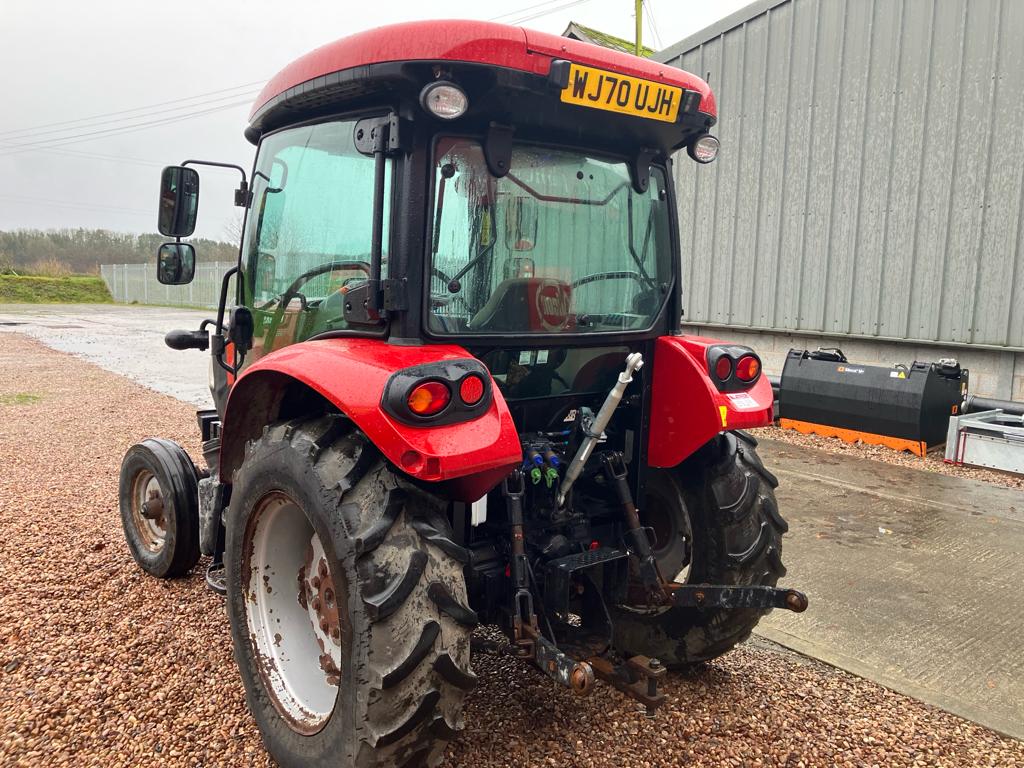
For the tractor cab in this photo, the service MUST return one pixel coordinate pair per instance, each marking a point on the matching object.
(451, 388)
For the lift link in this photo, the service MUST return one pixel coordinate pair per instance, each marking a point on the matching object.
(635, 537)
(513, 487)
(529, 642)
(658, 590)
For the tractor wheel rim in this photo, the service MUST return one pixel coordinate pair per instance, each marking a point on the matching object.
(292, 601)
(149, 510)
(670, 525)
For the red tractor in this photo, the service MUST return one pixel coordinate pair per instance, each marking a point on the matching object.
(451, 389)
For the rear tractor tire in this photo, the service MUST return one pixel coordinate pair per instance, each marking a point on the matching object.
(347, 602)
(159, 500)
(722, 501)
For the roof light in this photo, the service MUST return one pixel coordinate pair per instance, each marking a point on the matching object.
(444, 100)
(704, 148)
(429, 398)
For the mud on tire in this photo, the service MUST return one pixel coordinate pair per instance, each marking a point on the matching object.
(729, 498)
(405, 652)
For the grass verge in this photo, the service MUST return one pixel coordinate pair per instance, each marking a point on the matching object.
(20, 398)
(75, 289)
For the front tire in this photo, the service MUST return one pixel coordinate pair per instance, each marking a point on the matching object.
(377, 678)
(159, 501)
(722, 499)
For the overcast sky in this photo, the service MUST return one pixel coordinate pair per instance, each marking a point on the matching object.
(65, 60)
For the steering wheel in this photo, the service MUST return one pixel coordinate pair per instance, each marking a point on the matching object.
(618, 275)
(292, 291)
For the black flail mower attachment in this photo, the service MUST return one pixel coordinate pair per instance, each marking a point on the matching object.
(577, 667)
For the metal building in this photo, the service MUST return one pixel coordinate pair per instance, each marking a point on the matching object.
(870, 184)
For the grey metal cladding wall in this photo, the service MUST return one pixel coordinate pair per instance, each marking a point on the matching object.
(870, 178)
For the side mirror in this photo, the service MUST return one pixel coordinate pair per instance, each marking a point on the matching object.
(179, 201)
(176, 263)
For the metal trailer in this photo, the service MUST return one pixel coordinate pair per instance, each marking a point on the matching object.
(993, 439)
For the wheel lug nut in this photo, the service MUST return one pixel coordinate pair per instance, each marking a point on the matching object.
(322, 568)
(324, 626)
(316, 604)
(316, 582)
(335, 633)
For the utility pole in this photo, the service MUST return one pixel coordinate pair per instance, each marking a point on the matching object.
(639, 25)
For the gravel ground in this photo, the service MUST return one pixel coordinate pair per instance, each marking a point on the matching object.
(100, 665)
(932, 462)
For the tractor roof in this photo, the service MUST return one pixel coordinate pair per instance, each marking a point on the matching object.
(350, 70)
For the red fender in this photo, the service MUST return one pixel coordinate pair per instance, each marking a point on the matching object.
(351, 373)
(686, 408)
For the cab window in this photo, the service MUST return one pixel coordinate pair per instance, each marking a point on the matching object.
(308, 238)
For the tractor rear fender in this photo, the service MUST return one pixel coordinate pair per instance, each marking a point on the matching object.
(687, 409)
(468, 457)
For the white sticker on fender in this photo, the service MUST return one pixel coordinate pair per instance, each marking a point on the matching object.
(742, 400)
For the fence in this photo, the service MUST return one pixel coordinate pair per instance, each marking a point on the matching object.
(137, 283)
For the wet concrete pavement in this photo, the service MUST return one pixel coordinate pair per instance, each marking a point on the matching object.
(127, 340)
(915, 579)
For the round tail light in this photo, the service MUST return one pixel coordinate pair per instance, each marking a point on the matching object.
(748, 368)
(471, 390)
(723, 367)
(429, 398)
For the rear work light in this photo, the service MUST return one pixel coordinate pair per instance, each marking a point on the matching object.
(429, 398)
(444, 100)
(704, 148)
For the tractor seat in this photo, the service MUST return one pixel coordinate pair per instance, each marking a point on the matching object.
(508, 309)
(515, 307)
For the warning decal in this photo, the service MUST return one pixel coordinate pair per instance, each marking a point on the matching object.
(742, 400)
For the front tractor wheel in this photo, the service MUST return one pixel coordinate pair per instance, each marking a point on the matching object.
(159, 500)
(715, 521)
(347, 602)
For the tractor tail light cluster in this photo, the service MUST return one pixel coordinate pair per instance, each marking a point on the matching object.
(733, 368)
(438, 393)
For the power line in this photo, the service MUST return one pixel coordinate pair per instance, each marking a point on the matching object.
(133, 109)
(89, 156)
(140, 116)
(531, 17)
(43, 201)
(523, 10)
(649, 11)
(108, 132)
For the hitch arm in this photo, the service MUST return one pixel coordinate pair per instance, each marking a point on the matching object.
(715, 596)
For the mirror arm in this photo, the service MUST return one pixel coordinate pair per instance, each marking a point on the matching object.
(218, 342)
(243, 196)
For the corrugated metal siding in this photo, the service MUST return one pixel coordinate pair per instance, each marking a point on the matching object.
(870, 180)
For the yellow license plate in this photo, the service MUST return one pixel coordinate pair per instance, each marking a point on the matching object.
(599, 89)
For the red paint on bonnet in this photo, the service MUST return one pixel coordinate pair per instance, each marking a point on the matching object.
(686, 407)
(478, 42)
(352, 373)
